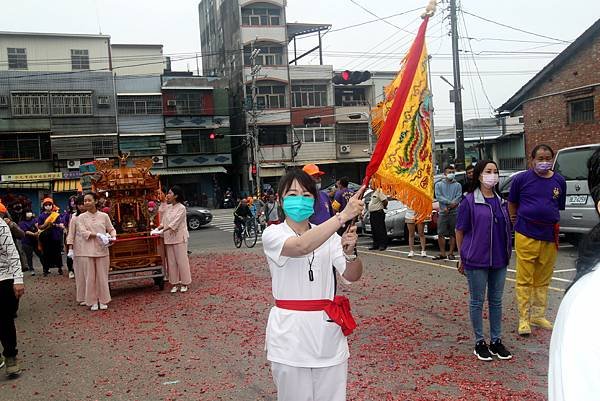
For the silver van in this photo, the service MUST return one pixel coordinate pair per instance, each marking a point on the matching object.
(580, 214)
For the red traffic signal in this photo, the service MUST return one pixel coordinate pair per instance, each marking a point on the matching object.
(213, 135)
(351, 77)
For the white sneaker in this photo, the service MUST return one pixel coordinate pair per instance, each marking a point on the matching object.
(71, 275)
(183, 288)
(423, 254)
(82, 303)
(411, 254)
(103, 306)
(94, 307)
(174, 289)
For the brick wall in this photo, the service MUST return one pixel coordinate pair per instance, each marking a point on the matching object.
(546, 119)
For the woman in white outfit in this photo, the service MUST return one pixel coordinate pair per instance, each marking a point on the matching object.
(306, 330)
(412, 225)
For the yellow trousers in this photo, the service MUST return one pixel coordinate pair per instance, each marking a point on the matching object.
(535, 265)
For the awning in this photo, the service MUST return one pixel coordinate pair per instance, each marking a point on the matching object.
(189, 170)
(25, 185)
(67, 186)
(272, 171)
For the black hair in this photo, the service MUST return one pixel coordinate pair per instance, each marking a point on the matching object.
(588, 256)
(178, 192)
(469, 167)
(541, 146)
(93, 195)
(448, 167)
(303, 179)
(344, 182)
(478, 170)
(78, 201)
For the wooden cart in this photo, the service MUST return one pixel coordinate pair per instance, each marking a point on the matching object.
(130, 195)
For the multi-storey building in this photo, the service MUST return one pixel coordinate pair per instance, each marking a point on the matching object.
(287, 94)
(57, 109)
(198, 142)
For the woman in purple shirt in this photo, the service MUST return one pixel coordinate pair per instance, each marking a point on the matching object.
(483, 234)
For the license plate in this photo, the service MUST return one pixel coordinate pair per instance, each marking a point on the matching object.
(426, 228)
(578, 200)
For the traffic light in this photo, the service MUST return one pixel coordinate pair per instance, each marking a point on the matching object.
(213, 135)
(351, 77)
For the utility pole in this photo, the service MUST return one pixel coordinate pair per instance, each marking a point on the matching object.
(458, 115)
(253, 138)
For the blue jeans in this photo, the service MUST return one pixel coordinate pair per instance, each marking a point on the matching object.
(478, 280)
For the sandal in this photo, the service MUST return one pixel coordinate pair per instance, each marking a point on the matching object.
(439, 257)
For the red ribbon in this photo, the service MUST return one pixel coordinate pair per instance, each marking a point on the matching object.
(338, 310)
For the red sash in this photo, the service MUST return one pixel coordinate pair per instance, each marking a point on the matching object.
(338, 310)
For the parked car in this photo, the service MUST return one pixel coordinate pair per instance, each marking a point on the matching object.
(197, 217)
(580, 215)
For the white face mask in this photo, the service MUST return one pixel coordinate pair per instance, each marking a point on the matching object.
(47, 207)
(318, 185)
(489, 180)
(29, 215)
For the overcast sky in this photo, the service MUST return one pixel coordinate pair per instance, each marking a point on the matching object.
(374, 46)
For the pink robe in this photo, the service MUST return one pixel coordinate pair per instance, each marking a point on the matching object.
(75, 242)
(175, 239)
(94, 257)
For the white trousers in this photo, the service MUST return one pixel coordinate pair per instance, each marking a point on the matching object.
(310, 384)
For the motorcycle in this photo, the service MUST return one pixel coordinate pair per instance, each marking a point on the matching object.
(228, 202)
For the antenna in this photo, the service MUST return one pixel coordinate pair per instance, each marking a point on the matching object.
(98, 17)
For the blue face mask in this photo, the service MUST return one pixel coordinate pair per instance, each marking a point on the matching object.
(298, 208)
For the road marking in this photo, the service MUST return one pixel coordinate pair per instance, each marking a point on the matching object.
(564, 270)
(448, 267)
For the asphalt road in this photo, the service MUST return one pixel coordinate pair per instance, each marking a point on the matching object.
(414, 339)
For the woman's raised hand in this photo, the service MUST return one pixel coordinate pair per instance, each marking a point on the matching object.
(355, 205)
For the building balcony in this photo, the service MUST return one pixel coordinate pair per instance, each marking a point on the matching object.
(311, 72)
(272, 117)
(271, 33)
(276, 154)
(315, 152)
(268, 72)
(342, 114)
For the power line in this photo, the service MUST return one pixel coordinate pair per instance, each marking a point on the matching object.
(375, 20)
(514, 28)
(379, 18)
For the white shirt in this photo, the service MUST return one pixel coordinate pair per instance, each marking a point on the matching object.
(299, 338)
(574, 370)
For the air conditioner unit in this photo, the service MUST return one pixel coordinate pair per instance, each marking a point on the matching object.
(103, 101)
(171, 103)
(73, 164)
(158, 159)
(345, 148)
(3, 101)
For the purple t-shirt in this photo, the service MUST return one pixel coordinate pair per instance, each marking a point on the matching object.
(28, 225)
(499, 245)
(540, 201)
(56, 233)
(322, 209)
(342, 196)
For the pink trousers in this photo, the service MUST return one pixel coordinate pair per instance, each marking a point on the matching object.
(96, 279)
(179, 263)
(79, 279)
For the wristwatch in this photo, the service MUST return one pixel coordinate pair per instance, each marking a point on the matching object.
(352, 257)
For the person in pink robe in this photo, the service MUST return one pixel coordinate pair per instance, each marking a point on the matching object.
(95, 232)
(175, 236)
(74, 249)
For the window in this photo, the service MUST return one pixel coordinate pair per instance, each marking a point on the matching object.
(80, 59)
(17, 58)
(102, 147)
(140, 105)
(263, 15)
(268, 97)
(350, 97)
(309, 95)
(273, 135)
(269, 55)
(311, 135)
(352, 133)
(25, 147)
(581, 110)
(140, 146)
(572, 164)
(189, 103)
(71, 104)
(198, 141)
(29, 104)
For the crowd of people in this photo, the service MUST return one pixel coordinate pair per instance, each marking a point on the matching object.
(310, 242)
(84, 233)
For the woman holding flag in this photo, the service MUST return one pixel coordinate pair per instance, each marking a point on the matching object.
(306, 330)
(50, 231)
